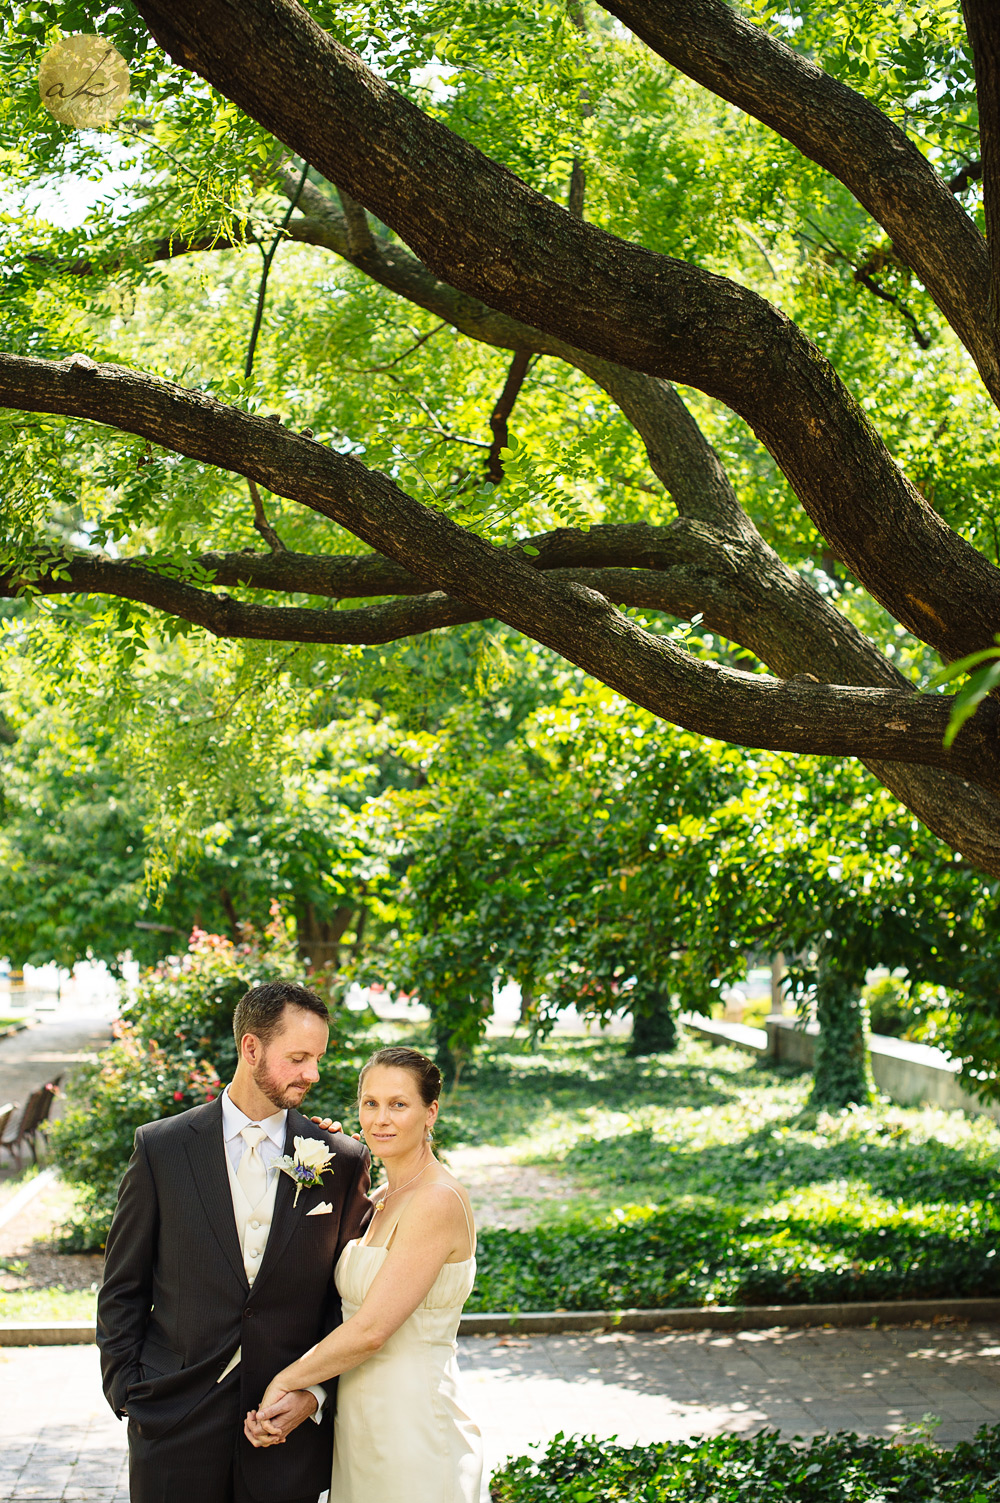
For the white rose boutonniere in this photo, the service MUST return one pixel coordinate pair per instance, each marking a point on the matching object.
(308, 1164)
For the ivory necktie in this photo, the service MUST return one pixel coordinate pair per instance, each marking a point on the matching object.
(252, 1172)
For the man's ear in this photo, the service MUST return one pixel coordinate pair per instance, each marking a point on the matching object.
(251, 1048)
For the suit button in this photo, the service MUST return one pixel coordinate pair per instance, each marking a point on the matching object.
(254, 1253)
(247, 1313)
(255, 1225)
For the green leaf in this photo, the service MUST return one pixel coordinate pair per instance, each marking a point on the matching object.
(970, 698)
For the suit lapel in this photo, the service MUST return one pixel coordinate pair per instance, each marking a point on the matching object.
(206, 1151)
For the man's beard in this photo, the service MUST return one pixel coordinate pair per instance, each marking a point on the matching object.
(281, 1096)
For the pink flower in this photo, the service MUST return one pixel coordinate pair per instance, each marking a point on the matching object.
(209, 1095)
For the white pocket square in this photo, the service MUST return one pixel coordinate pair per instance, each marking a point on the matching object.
(323, 1209)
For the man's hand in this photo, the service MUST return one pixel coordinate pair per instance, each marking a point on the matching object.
(284, 1412)
(328, 1125)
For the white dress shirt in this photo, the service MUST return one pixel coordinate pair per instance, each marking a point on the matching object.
(270, 1149)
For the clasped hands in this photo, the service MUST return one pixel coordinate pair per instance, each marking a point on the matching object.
(279, 1412)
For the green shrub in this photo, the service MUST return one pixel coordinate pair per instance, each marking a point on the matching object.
(755, 1469)
(691, 1253)
(174, 1049)
(698, 1180)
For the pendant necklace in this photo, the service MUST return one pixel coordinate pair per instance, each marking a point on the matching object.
(384, 1196)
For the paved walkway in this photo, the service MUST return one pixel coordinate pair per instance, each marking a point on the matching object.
(58, 1441)
(63, 1038)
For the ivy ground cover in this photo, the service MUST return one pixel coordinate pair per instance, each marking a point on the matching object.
(728, 1469)
(700, 1178)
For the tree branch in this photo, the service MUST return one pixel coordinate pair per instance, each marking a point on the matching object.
(981, 24)
(476, 224)
(750, 709)
(845, 134)
(500, 416)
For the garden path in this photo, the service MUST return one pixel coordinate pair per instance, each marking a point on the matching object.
(69, 1034)
(58, 1440)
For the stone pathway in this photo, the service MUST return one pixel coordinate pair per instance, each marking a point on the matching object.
(65, 1037)
(58, 1440)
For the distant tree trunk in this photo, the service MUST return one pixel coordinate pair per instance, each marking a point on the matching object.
(654, 1028)
(319, 938)
(842, 1070)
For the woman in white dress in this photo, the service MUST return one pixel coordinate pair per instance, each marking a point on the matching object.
(401, 1429)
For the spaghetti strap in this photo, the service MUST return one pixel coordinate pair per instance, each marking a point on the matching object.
(392, 1229)
(468, 1223)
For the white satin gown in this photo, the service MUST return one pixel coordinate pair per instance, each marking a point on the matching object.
(402, 1433)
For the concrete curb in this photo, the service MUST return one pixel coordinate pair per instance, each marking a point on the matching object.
(557, 1322)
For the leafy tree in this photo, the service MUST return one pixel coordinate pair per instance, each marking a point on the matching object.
(596, 860)
(78, 842)
(778, 210)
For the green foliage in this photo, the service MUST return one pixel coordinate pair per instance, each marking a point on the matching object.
(737, 1469)
(983, 669)
(700, 1180)
(596, 857)
(174, 1049)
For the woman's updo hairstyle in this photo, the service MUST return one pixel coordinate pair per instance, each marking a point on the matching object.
(424, 1071)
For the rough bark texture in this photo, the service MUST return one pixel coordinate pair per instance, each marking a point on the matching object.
(847, 135)
(579, 623)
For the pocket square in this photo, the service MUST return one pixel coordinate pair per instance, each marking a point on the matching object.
(323, 1209)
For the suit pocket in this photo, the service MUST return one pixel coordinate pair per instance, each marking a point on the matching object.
(155, 1361)
(159, 1361)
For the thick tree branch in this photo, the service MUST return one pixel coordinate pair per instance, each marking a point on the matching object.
(581, 625)
(844, 133)
(486, 232)
(984, 36)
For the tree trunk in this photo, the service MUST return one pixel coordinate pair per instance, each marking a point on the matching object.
(654, 1028)
(842, 1069)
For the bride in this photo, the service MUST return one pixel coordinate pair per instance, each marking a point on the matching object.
(400, 1428)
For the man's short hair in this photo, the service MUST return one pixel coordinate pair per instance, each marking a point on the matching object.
(261, 1010)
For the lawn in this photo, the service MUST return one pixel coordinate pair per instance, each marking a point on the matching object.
(701, 1178)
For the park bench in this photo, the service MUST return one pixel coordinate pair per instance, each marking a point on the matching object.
(20, 1125)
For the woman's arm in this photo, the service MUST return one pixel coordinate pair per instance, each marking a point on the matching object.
(431, 1230)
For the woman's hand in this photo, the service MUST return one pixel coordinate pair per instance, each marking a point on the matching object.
(266, 1409)
(260, 1434)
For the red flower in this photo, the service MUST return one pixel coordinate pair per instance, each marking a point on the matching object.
(210, 1096)
(178, 1095)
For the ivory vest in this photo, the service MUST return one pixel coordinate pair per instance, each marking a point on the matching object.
(253, 1226)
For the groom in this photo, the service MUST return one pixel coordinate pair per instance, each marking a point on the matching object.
(214, 1280)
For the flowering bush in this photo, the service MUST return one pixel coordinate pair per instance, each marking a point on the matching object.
(174, 1049)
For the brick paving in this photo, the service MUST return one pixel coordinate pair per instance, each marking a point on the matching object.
(58, 1440)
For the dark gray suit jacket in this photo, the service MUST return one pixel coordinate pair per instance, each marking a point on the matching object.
(176, 1303)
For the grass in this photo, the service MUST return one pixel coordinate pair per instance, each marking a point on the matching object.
(701, 1178)
(47, 1305)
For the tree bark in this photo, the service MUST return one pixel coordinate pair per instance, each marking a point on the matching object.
(579, 623)
(482, 229)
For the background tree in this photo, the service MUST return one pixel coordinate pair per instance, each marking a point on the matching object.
(780, 211)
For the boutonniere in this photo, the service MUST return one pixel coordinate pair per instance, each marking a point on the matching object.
(307, 1165)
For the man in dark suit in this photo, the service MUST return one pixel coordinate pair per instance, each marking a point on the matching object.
(214, 1279)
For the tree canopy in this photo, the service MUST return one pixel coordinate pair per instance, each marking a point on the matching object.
(497, 238)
